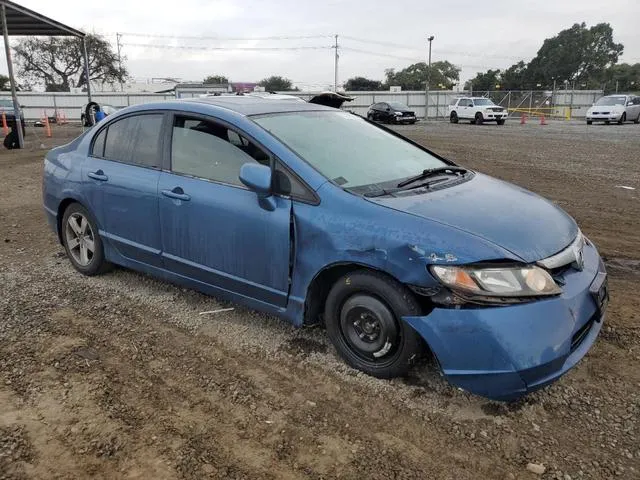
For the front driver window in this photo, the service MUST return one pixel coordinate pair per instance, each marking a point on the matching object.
(211, 151)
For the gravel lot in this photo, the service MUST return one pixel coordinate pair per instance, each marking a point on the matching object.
(120, 376)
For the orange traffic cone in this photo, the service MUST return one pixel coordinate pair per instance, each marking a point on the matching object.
(47, 127)
(523, 119)
(5, 128)
(542, 120)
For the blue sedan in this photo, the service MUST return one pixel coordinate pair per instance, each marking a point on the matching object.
(318, 215)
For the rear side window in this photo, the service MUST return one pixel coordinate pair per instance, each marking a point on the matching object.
(98, 144)
(135, 140)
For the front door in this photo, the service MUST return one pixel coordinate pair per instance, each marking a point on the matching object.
(213, 229)
(123, 171)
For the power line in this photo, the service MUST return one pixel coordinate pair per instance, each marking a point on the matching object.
(200, 37)
(192, 47)
(413, 47)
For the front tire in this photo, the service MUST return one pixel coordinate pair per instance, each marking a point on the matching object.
(479, 119)
(589, 122)
(363, 317)
(500, 122)
(623, 119)
(453, 118)
(82, 242)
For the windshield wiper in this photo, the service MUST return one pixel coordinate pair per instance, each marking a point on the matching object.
(430, 172)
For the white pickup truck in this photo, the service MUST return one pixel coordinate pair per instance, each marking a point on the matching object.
(477, 110)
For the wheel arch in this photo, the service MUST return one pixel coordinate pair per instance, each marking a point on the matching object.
(62, 207)
(324, 279)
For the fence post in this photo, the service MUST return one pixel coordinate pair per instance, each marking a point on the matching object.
(530, 100)
(508, 103)
(55, 106)
(128, 100)
(571, 105)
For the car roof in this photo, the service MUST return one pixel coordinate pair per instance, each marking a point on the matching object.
(254, 105)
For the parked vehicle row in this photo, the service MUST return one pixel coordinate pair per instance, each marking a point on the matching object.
(397, 250)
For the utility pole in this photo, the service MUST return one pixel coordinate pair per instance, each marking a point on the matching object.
(616, 86)
(335, 66)
(426, 95)
(118, 35)
(86, 67)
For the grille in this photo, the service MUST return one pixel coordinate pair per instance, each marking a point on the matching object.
(497, 109)
(407, 114)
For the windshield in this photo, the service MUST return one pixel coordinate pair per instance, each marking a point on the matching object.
(348, 150)
(398, 106)
(482, 101)
(608, 101)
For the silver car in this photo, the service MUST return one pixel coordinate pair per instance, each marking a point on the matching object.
(615, 108)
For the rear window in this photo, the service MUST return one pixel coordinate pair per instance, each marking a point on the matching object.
(135, 140)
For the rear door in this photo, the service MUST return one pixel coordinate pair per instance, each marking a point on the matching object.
(123, 170)
(213, 229)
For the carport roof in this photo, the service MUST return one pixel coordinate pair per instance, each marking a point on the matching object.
(22, 21)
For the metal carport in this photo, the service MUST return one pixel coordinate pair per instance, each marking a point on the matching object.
(20, 21)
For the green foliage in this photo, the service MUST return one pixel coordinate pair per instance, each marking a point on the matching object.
(626, 76)
(577, 54)
(216, 80)
(276, 83)
(489, 80)
(363, 84)
(443, 75)
(58, 62)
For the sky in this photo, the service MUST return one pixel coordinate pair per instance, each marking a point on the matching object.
(191, 39)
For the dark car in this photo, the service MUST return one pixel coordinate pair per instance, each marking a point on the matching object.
(391, 112)
(6, 107)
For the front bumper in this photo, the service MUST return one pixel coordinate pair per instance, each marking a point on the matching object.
(490, 115)
(600, 117)
(505, 352)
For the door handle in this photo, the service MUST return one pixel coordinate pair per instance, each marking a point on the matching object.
(177, 193)
(99, 175)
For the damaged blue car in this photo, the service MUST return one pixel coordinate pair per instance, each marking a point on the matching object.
(317, 215)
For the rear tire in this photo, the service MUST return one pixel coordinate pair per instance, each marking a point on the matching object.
(453, 118)
(363, 317)
(479, 119)
(82, 242)
(637, 120)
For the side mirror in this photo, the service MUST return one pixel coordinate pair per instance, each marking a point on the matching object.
(258, 178)
(388, 109)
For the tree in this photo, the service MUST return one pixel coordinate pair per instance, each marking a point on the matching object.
(216, 80)
(514, 77)
(4, 83)
(486, 81)
(276, 84)
(623, 76)
(362, 84)
(414, 77)
(58, 62)
(578, 54)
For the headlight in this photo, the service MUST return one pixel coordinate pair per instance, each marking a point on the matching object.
(526, 281)
(399, 114)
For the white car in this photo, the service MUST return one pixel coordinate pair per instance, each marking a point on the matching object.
(615, 108)
(476, 109)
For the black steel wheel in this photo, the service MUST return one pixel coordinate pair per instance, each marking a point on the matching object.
(453, 118)
(363, 317)
(479, 118)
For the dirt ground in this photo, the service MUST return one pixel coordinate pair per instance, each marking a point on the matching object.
(120, 376)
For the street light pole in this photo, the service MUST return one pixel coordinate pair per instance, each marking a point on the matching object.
(426, 95)
(335, 66)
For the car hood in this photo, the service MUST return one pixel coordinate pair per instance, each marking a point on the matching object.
(527, 225)
(605, 108)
